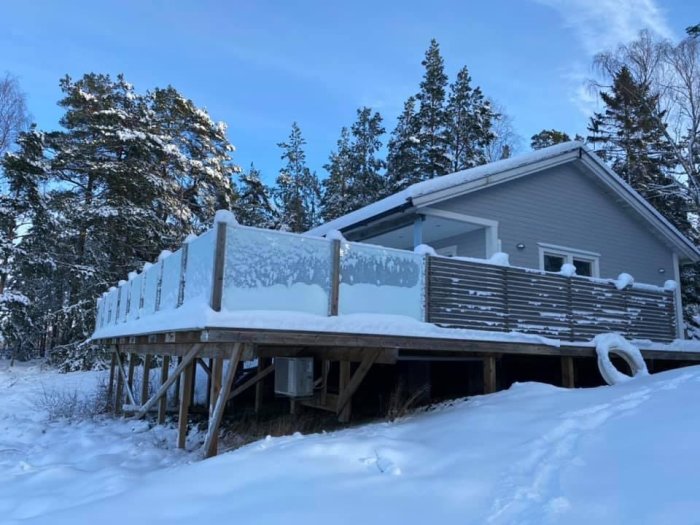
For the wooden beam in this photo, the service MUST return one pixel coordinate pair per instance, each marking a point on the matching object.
(132, 368)
(568, 379)
(489, 374)
(352, 385)
(163, 404)
(255, 380)
(112, 367)
(217, 368)
(263, 367)
(325, 370)
(125, 379)
(343, 380)
(185, 396)
(204, 366)
(334, 296)
(146, 377)
(212, 439)
(219, 258)
(120, 387)
(166, 384)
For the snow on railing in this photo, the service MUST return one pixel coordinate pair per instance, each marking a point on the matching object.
(270, 270)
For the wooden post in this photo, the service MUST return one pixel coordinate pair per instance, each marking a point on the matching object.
(163, 404)
(177, 382)
(489, 374)
(219, 258)
(326, 367)
(163, 390)
(568, 379)
(146, 378)
(211, 442)
(112, 368)
(260, 385)
(216, 372)
(120, 388)
(335, 278)
(351, 384)
(125, 378)
(132, 366)
(344, 414)
(185, 396)
(208, 367)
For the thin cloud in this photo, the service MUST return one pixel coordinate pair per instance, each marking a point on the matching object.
(601, 25)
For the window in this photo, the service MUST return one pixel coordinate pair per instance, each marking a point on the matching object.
(447, 251)
(552, 258)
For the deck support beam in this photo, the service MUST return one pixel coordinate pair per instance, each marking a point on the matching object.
(211, 442)
(489, 374)
(164, 379)
(162, 391)
(120, 385)
(146, 377)
(349, 385)
(186, 385)
(112, 369)
(265, 368)
(126, 380)
(568, 378)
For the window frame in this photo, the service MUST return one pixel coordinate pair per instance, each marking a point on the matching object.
(569, 254)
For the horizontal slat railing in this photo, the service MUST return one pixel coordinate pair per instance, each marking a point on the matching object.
(473, 295)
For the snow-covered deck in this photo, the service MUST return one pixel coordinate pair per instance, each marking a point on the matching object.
(244, 279)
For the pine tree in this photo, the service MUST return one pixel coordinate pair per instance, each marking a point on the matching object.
(355, 170)
(298, 190)
(470, 121)
(336, 199)
(254, 206)
(403, 159)
(548, 137)
(433, 145)
(626, 136)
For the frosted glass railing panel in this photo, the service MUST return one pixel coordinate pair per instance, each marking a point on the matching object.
(99, 313)
(268, 270)
(123, 302)
(170, 284)
(151, 277)
(135, 289)
(381, 281)
(112, 299)
(199, 273)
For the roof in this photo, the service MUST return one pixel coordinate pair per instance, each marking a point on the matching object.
(487, 175)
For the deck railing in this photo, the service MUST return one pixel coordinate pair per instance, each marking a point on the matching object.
(236, 268)
(468, 294)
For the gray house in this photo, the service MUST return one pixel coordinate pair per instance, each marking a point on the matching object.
(559, 205)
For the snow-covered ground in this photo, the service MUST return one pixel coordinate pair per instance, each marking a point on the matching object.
(532, 454)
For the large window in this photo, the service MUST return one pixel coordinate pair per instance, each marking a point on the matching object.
(552, 258)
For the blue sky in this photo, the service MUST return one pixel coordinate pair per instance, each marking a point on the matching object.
(261, 65)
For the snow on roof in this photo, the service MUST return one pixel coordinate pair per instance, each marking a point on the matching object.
(451, 180)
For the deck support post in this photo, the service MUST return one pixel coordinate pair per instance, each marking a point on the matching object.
(186, 385)
(217, 368)
(211, 442)
(112, 368)
(349, 385)
(568, 379)
(489, 374)
(130, 377)
(263, 363)
(120, 386)
(163, 390)
(145, 378)
(325, 369)
(163, 402)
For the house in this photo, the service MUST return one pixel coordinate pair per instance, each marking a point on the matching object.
(319, 310)
(555, 206)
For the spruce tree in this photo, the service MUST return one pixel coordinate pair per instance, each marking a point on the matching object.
(548, 137)
(298, 189)
(336, 199)
(403, 159)
(470, 121)
(254, 206)
(433, 145)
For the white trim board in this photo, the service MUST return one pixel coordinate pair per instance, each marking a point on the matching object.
(493, 243)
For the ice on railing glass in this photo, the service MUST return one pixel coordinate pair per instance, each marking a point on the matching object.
(381, 280)
(270, 270)
(123, 301)
(151, 276)
(170, 283)
(99, 311)
(136, 287)
(199, 273)
(112, 301)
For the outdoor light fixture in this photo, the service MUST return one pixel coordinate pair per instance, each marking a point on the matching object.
(662, 270)
(520, 246)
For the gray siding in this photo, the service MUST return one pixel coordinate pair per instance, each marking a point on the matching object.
(563, 206)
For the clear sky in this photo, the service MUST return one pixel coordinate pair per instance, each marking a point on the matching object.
(259, 65)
